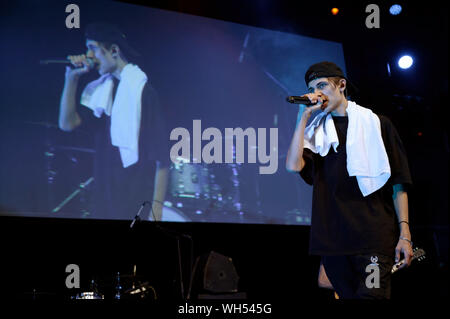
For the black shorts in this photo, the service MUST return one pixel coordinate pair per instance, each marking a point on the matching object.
(353, 279)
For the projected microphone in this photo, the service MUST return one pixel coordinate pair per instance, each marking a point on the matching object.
(89, 61)
(300, 100)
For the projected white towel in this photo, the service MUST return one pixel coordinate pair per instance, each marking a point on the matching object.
(125, 112)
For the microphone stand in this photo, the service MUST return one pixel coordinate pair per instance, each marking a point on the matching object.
(81, 187)
(177, 236)
(137, 217)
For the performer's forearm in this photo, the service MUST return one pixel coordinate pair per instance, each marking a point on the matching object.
(401, 208)
(294, 158)
(68, 117)
(159, 194)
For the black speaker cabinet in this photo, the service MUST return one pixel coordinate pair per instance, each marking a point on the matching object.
(215, 273)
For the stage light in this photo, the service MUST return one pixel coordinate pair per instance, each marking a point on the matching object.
(335, 11)
(395, 9)
(405, 62)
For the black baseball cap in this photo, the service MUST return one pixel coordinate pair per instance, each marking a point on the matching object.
(106, 32)
(327, 69)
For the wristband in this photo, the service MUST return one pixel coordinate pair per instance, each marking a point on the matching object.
(403, 221)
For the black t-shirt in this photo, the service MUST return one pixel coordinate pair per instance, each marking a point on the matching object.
(117, 191)
(344, 222)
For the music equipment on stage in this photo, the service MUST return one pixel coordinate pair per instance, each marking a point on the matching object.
(141, 291)
(91, 294)
(214, 274)
(88, 295)
(127, 287)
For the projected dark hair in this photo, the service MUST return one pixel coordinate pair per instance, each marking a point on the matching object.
(108, 34)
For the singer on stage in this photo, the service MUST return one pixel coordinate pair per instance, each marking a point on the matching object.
(358, 167)
(122, 113)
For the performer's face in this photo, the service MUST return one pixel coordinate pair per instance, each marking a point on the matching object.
(104, 61)
(334, 93)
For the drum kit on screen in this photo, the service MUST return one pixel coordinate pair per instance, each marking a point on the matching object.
(196, 192)
(204, 192)
(211, 192)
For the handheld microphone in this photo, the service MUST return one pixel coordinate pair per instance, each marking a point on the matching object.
(90, 62)
(299, 100)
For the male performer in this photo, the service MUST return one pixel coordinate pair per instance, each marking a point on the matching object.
(357, 165)
(122, 112)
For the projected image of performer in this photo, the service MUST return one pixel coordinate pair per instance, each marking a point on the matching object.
(358, 167)
(122, 113)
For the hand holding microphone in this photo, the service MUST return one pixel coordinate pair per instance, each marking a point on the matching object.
(317, 100)
(82, 66)
(309, 103)
(309, 99)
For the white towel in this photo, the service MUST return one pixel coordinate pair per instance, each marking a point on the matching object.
(125, 111)
(366, 155)
(97, 95)
(320, 134)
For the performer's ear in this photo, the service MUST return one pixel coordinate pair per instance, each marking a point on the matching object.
(115, 51)
(343, 85)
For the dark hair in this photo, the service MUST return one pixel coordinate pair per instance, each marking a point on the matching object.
(108, 34)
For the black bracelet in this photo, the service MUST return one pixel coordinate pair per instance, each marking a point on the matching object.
(403, 221)
(408, 240)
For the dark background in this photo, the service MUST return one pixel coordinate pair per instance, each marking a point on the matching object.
(272, 260)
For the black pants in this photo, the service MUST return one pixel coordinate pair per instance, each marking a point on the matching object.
(348, 275)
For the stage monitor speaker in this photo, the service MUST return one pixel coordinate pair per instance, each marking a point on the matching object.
(216, 273)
